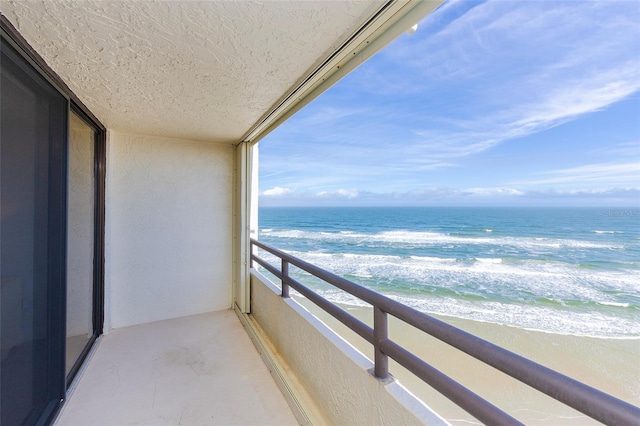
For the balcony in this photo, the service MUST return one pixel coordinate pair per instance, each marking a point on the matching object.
(204, 369)
(199, 369)
(176, 96)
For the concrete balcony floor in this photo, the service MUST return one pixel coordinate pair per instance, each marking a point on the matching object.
(197, 370)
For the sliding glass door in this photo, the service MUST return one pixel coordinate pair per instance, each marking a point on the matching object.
(52, 158)
(82, 223)
(33, 167)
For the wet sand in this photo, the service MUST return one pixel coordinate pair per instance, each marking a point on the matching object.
(611, 365)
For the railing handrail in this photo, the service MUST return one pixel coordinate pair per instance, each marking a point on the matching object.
(586, 399)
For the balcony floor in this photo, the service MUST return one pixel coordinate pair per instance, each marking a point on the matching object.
(197, 370)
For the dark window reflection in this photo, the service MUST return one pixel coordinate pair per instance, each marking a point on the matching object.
(32, 165)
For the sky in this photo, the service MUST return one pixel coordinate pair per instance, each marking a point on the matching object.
(498, 103)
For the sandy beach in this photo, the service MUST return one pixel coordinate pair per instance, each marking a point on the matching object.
(611, 365)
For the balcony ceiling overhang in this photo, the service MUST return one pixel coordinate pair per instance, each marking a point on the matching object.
(201, 70)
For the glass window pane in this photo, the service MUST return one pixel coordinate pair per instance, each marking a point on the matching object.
(32, 165)
(80, 238)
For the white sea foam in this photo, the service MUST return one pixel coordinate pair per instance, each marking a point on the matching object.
(489, 260)
(419, 267)
(416, 238)
(425, 268)
(617, 304)
(550, 320)
(544, 295)
(433, 259)
(537, 318)
(608, 232)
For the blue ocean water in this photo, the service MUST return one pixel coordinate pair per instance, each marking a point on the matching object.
(559, 270)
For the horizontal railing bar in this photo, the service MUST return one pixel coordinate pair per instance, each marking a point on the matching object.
(362, 329)
(359, 327)
(363, 293)
(590, 401)
(466, 399)
(267, 266)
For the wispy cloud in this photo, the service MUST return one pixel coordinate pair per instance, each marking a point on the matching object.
(626, 149)
(442, 196)
(621, 175)
(346, 193)
(279, 192)
(477, 79)
(526, 69)
(329, 115)
(484, 192)
(353, 193)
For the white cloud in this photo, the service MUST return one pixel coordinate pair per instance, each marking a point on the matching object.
(341, 193)
(431, 192)
(570, 99)
(573, 98)
(276, 192)
(439, 196)
(493, 192)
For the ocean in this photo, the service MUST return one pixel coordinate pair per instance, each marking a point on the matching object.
(569, 271)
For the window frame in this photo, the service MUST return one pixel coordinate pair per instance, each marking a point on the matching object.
(74, 105)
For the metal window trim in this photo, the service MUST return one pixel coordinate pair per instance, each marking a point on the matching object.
(97, 315)
(385, 25)
(18, 42)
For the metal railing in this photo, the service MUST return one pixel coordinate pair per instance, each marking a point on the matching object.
(586, 399)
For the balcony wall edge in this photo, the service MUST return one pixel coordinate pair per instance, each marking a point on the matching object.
(335, 375)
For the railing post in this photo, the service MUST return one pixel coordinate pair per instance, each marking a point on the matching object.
(285, 278)
(380, 334)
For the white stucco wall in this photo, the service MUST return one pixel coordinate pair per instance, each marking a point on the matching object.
(334, 374)
(168, 228)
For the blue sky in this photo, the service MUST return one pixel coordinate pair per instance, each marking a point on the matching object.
(487, 103)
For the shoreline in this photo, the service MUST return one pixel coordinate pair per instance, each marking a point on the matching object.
(610, 365)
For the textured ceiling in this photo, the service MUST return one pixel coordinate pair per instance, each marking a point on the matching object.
(203, 70)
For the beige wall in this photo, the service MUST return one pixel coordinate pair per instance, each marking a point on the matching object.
(168, 228)
(333, 373)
